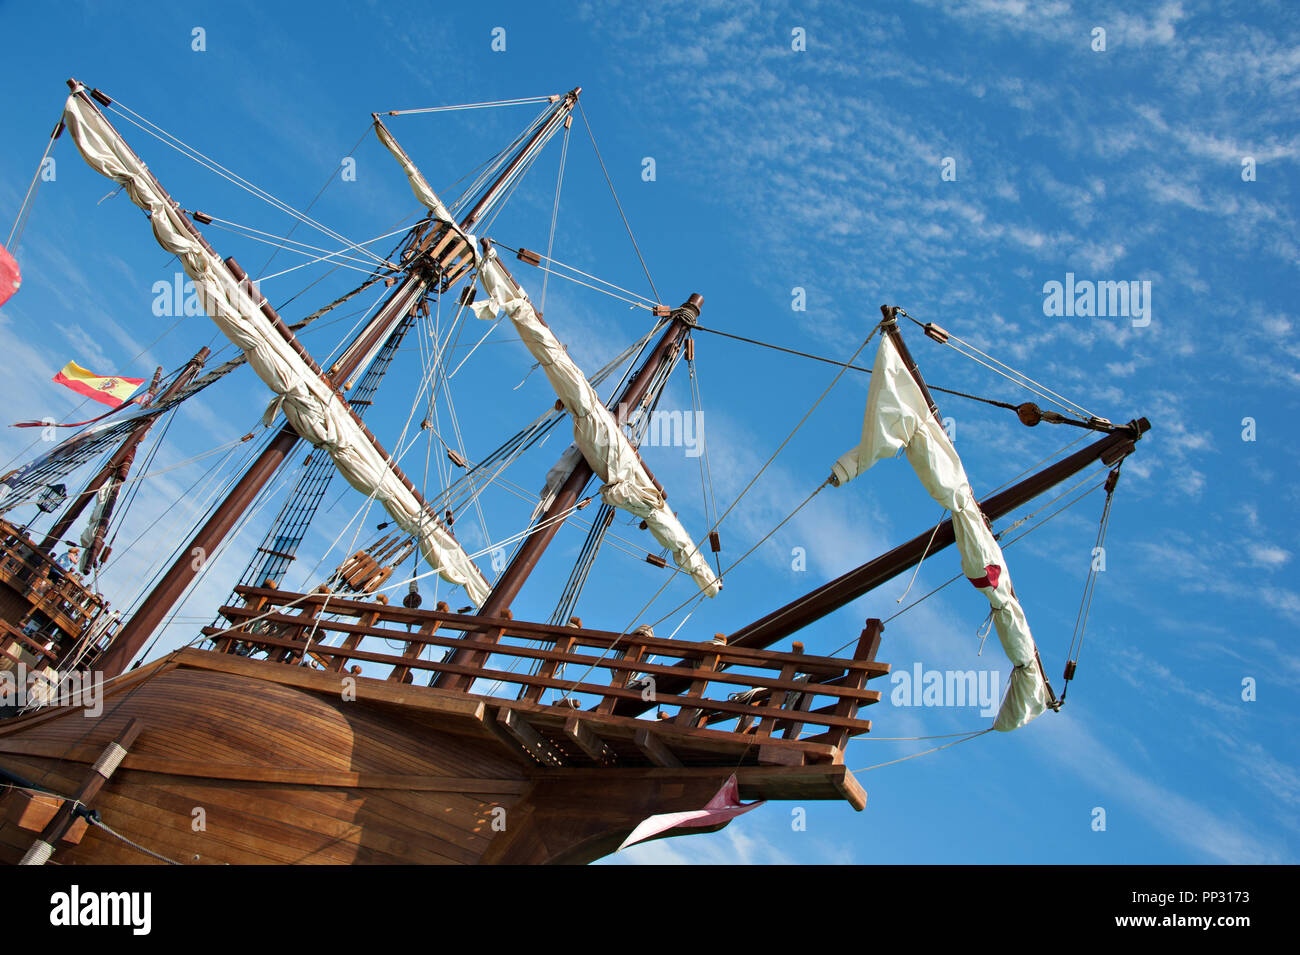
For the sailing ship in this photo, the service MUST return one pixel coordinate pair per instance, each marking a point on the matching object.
(342, 725)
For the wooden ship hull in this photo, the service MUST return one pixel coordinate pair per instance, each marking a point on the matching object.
(324, 766)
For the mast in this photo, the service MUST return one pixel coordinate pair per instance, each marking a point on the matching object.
(280, 544)
(549, 523)
(526, 558)
(437, 251)
(121, 458)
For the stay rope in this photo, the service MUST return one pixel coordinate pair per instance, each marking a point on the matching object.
(24, 210)
(1090, 584)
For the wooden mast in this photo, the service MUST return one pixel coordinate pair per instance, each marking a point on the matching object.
(549, 523)
(154, 607)
(121, 457)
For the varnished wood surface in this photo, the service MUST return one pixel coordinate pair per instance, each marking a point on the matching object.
(286, 770)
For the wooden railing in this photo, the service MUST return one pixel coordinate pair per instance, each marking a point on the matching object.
(765, 694)
(57, 593)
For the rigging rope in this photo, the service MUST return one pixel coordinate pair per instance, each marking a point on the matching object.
(92, 817)
(555, 208)
(207, 162)
(626, 630)
(328, 182)
(1005, 544)
(627, 225)
(1090, 584)
(20, 221)
(849, 365)
(646, 303)
(288, 245)
(1023, 380)
(522, 101)
(903, 759)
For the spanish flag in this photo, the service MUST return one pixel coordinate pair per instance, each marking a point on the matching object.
(110, 391)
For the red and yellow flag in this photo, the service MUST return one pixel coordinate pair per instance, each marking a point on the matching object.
(111, 391)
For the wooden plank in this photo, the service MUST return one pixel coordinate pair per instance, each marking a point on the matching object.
(468, 674)
(367, 688)
(512, 746)
(402, 673)
(731, 655)
(350, 642)
(846, 709)
(692, 716)
(779, 755)
(532, 692)
(768, 724)
(36, 810)
(532, 741)
(587, 741)
(852, 790)
(656, 750)
(836, 686)
(793, 728)
(620, 676)
(245, 772)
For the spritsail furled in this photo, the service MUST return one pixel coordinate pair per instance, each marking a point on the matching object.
(597, 434)
(898, 417)
(307, 400)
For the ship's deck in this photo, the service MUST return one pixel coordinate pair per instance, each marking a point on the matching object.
(568, 699)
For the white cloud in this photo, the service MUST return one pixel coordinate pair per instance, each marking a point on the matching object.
(1267, 555)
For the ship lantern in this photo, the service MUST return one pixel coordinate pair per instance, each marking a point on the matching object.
(52, 498)
(412, 599)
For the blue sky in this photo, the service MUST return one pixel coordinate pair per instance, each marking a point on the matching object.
(775, 169)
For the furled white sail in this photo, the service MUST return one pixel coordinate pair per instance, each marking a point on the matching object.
(898, 417)
(419, 185)
(104, 497)
(309, 404)
(595, 432)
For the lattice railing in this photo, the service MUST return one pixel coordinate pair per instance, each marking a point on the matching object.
(765, 694)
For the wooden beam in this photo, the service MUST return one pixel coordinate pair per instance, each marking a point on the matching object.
(587, 741)
(656, 750)
(402, 673)
(779, 756)
(245, 772)
(485, 719)
(528, 737)
(104, 768)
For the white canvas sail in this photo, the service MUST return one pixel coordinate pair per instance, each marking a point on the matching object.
(602, 442)
(596, 434)
(899, 418)
(419, 185)
(309, 404)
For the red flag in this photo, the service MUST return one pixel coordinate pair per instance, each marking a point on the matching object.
(10, 277)
(723, 807)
